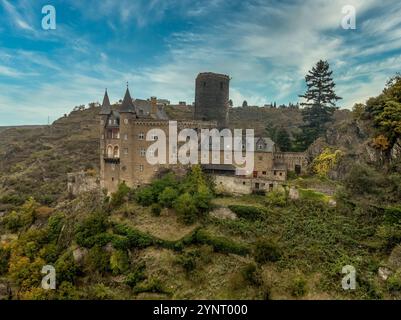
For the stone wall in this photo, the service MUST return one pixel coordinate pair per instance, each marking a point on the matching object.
(211, 98)
(238, 186)
(80, 182)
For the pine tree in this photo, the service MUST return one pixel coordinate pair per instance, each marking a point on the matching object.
(320, 103)
(283, 140)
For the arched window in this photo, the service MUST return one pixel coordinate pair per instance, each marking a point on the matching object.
(116, 152)
(110, 152)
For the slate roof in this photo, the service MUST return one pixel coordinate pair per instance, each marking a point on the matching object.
(106, 107)
(127, 104)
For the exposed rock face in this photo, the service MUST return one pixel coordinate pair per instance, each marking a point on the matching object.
(5, 291)
(384, 273)
(79, 255)
(394, 261)
(293, 194)
(396, 150)
(223, 213)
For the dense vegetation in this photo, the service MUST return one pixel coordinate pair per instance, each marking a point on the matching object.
(178, 239)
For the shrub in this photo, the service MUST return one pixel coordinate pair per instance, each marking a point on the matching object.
(186, 208)
(167, 197)
(66, 268)
(152, 285)
(394, 283)
(221, 244)
(251, 274)
(66, 291)
(120, 196)
(54, 226)
(188, 260)
(266, 251)
(98, 260)
(145, 196)
(119, 262)
(4, 259)
(136, 276)
(156, 209)
(203, 198)
(134, 238)
(277, 198)
(21, 218)
(392, 215)
(247, 212)
(91, 231)
(298, 287)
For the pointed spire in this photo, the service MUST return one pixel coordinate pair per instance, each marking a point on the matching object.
(127, 104)
(106, 106)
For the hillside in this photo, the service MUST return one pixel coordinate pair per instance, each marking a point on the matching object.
(178, 239)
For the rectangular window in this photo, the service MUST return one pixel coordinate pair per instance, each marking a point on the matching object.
(141, 168)
(126, 151)
(142, 152)
(125, 136)
(141, 136)
(264, 172)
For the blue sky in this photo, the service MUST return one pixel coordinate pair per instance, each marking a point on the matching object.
(159, 46)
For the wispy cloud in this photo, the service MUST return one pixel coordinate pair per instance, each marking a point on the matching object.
(159, 46)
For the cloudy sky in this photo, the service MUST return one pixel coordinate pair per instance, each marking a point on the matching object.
(159, 46)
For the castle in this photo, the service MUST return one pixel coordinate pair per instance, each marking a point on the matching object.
(123, 144)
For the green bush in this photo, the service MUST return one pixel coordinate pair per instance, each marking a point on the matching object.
(22, 218)
(98, 260)
(134, 238)
(54, 226)
(203, 198)
(66, 268)
(167, 197)
(119, 262)
(298, 287)
(394, 283)
(277, 198)
(392, 215)
(92, 231)
(136, 276)
(152, 285)
(266, 251)
(120, 196)
(251, 274)
(4, 259)
(247, 212)
(156, 209)
(221, 244)
(188, 260)
(186, 208)
(145, 196)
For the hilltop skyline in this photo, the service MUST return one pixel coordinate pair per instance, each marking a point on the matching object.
(160, 46)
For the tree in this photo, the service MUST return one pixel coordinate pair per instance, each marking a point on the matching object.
(320, 102)
(244, 104)
(282, 139)
(230, 103)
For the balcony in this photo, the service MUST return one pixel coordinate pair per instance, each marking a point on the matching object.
(111, 159)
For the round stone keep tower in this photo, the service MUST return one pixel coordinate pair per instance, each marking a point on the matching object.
(211, 97)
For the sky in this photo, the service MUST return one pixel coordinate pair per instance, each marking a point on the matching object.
(159, 46)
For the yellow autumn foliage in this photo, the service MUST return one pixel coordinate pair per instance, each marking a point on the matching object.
(326, 161)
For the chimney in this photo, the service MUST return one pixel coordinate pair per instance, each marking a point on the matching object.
(153, 104)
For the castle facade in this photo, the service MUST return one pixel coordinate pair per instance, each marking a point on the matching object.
(124, 141)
